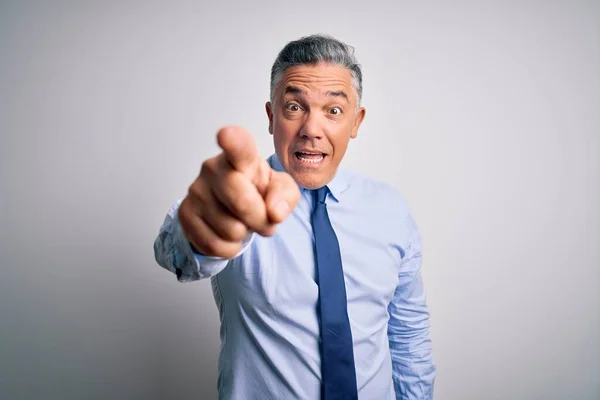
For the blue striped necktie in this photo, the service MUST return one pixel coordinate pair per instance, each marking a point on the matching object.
(337, 354)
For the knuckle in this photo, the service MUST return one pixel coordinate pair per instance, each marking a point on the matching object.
(209, 167)
(268, 230)
(237, 231)
(194, 237)
(195, 189)
(199, 195)
(212, 246)
(185, 214)
(244, 205)
(295, 196)
(238, 198)
(220, 248)
(183, 209)
(239, 206)
(289, 183)
(232, 250)
(290, 189)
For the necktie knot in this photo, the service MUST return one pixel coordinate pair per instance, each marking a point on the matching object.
(321, 194)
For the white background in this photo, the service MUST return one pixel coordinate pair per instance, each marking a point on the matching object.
(484, 114)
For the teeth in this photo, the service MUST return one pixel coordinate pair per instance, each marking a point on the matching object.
(311, 160)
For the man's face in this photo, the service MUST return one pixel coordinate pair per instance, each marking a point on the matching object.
(313, 117)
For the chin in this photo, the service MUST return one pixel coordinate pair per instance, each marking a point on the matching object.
(310, 180)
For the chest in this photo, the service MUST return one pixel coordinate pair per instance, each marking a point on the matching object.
(278, 274)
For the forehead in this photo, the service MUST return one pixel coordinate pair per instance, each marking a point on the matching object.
(317, 79)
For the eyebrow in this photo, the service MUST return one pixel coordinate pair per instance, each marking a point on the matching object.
(340, 93)
(295, 90)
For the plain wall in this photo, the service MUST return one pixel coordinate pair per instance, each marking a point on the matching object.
(485, 115)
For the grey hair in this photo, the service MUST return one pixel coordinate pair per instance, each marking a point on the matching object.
(314, 49)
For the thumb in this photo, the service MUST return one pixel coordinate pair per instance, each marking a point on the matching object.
(238, 147)
(281, 197)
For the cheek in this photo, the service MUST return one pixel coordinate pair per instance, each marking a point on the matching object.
(283, 132)
(340, 147)
(341, 138)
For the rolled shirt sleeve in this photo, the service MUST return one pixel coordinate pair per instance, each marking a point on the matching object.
(173, 252)
(408, 328)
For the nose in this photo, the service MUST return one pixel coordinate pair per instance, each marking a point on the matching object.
(312, 127)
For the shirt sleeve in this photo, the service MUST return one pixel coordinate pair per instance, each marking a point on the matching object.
(173, 252)
(408, 329)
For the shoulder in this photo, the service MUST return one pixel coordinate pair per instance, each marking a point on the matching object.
(382, 208)
(374, 193)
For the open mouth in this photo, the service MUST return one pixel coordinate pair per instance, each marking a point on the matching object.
(310, 156)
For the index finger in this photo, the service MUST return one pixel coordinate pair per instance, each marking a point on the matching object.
(238, 147)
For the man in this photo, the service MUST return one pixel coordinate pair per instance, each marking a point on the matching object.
(315, 270)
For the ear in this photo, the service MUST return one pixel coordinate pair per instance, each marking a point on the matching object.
(358, 119)
(270, 116)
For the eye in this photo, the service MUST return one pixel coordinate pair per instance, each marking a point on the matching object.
(292, 107)
(335, 110)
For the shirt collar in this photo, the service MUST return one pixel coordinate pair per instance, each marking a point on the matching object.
(337, 185)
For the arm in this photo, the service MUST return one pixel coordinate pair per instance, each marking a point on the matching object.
(236, 194)
(174, 253)
(408, 329)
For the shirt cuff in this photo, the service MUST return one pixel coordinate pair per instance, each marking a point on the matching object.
(203, 266)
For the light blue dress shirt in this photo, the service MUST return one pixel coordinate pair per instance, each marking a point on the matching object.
(267, 297)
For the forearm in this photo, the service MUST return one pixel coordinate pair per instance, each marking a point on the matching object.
(408, 329)
(412, 363)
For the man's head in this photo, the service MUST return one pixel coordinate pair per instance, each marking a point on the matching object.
(316, 88)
